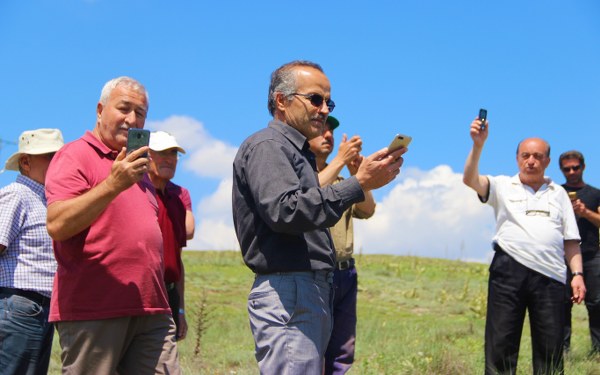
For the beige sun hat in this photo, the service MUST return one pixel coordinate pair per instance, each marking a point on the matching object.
(160, 141)
(35, 142)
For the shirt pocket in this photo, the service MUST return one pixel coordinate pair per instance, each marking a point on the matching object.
(517, 203)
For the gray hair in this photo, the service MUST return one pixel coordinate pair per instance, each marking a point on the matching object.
(283, 80)
(122, 81)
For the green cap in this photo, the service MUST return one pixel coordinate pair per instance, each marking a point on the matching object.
(332, 122)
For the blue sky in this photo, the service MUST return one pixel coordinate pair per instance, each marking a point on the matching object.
(422, 68)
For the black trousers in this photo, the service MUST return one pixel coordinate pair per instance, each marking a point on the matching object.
(514, 289)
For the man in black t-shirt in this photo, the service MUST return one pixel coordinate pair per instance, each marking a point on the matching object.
(586, 204)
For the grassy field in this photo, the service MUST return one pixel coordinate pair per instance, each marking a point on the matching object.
(416, 316)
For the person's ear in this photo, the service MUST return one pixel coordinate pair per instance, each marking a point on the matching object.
(99, 109)
(24, 163)
(281, 102)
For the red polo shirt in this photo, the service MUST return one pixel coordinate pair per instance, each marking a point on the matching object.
(172, 207)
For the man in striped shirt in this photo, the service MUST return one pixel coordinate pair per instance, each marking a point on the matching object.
(27, 264)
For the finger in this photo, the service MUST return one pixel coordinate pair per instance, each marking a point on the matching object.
(138, 153)
(398, 153)
(121, 154)
(378, 155)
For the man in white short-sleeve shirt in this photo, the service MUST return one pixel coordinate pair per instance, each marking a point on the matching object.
(535, 232)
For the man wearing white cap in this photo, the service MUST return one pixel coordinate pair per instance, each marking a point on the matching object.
(175, 219)
(27, 264)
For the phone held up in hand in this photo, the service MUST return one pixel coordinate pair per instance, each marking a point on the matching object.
(482, 116)
(137, 138)
(400, 140)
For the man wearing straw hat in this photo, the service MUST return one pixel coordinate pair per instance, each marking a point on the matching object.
(27, 264)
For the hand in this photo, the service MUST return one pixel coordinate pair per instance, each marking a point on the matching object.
(380, 168)
(579, 207)
(349, 149)
(183, 327)
(354, 164)
(578, 288)
(477, 135)
(128, 169)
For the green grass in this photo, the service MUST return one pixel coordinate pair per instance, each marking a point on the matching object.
(415, 316)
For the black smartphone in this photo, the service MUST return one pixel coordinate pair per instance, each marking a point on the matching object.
(483, 116)
(137, 138)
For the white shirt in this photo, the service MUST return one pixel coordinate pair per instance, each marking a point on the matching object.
(531, 226)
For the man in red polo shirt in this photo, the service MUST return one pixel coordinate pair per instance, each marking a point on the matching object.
(109, 300)
(175, 219)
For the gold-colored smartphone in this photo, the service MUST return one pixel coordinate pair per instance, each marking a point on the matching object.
(572, 195)
(400, 140)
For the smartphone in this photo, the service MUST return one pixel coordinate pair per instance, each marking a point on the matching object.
(483, 116)
(573, 195)
(137, 138)
(400, 140)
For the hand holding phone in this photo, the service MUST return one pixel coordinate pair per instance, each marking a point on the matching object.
(400, 140)
(482, 117)
(137, 138)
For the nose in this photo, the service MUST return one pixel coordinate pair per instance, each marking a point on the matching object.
(324, 108)
(131, 118)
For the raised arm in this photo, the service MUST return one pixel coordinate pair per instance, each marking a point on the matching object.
(471, 176)
(590, 214)
(366, 208)
(69, 217)
(347, 151)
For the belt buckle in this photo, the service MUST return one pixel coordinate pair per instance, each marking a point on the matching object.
(343, 265)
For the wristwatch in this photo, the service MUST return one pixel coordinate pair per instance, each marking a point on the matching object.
(577, 273)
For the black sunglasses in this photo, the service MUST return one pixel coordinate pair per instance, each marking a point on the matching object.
(574, 168)
(317, 100)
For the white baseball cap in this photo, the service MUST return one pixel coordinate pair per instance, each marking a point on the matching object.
(160, 141)
(35, 142)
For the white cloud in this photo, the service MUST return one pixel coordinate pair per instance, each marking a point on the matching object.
(429, 213)
(214, 229)
(425, 213)
(206, 156)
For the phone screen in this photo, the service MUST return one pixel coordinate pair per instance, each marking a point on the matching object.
(137, 138)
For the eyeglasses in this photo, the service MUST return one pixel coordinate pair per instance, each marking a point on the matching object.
(537, 206)
(317, 100)
(574, 168)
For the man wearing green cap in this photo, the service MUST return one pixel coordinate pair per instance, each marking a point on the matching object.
(340, 351)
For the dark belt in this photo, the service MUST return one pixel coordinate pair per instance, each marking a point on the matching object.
(345, 264)
(29, 294)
